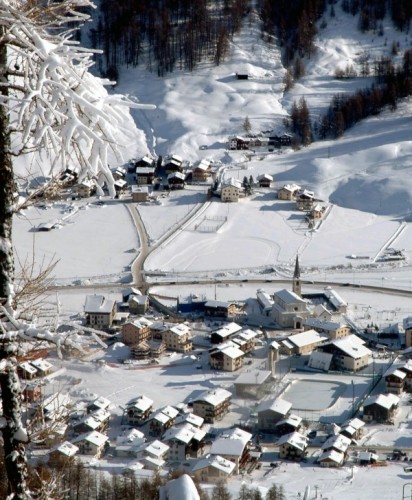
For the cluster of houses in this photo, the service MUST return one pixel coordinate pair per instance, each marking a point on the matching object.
(249, 143)
(305, 201)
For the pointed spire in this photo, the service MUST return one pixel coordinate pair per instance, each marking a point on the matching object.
(296, 273)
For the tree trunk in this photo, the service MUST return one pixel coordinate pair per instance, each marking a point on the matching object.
(14, 449)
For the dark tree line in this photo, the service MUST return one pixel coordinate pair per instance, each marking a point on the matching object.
(372, 12)
(164, 34)
(74, 481)
(293, 23)
(392, 84)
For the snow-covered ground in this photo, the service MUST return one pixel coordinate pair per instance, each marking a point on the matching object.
(365, 177)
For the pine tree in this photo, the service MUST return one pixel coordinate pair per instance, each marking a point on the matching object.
(247, 126)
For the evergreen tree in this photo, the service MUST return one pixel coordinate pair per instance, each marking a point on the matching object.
(247, 126)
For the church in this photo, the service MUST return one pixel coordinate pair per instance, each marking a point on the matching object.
(290, 309)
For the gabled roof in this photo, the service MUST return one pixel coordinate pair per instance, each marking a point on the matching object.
(41, 364)
(68, 449)
(306, 338)
(228, 329)
(141, 403)
(332, 456)
(292, 420)
(232, 182)
(338, 442)
(395, 372)
(94, 437)
(253, 377)
(216, 462)
(156, 448)
(214, 397)
(329, 326)
(191, 419)
(352, 346)
(291, 187)
(385, 400)
(180, 329)
(98, 304)
(294, 439)
(276, 405)
(288, 297)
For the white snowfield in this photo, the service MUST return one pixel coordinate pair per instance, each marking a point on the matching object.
(363, 178)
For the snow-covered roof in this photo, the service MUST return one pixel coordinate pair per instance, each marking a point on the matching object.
(291, 187)
(307, 338)
(320, 360)
(254, 377)
(94, 437)
(156, 448)
(130, 436)
(356, 423)
(66, 448)
(184, 434)
(292, 420)
(295, 439)
(157, 462)
(228, 329)
(28, 367)
(396, 373)
(100, 402)
(274, 345)
(176, 175)
(98, 304)
(180, 329)
(190, 418)
(216, 462)
(42, 364)
(353, 346)
(288, 297)
(385, 400)
(231, 443)
(333, 456)
(265, 299)
(247, 334)
(277, 405)
(334, 298)
(141, 403)
(214, 397)
(267, 177)
(232, 352)
(338, 442)
(231, 182)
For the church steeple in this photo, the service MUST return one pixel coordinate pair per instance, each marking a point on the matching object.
(297, 288)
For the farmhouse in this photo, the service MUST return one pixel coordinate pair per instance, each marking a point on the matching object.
(145, 176)
(305, 199)
(212, 405)
(239, 143)
(231, 190)
(264, 180)
(380, 408)
(352, 428)
(176, 180)
(288, 192)
(99, 311)
(292, 446)
(201, 171)
(174, 164)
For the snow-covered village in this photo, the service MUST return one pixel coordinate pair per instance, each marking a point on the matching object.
(205, 257)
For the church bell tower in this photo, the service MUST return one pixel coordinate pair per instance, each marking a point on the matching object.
(297, 286)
